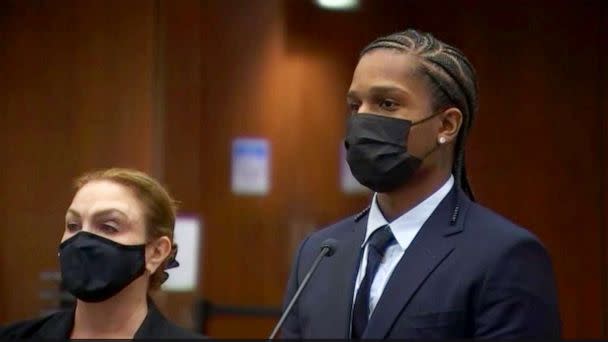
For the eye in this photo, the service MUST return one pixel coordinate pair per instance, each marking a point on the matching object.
(389, 105)
(109, 227)
(72, 227)
(353, 107)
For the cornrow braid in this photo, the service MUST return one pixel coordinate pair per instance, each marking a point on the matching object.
(452, 81)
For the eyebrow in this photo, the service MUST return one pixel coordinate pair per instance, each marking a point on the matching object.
(381, 89)
(105, 212)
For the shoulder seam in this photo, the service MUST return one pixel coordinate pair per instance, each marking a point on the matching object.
(361, 214)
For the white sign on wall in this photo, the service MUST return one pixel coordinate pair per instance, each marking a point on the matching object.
(250, 166)
(187, 236)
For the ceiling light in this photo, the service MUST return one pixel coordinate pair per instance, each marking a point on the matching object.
(338, 5)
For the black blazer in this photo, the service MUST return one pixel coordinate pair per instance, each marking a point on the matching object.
(59, 326)
(482, 277)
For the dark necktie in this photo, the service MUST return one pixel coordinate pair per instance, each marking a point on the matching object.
(377, 245)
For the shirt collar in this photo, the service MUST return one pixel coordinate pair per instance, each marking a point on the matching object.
(410, 222)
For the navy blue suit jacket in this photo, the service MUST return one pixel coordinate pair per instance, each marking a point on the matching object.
(481, 277)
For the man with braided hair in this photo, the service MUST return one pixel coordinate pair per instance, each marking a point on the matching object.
(424, 260)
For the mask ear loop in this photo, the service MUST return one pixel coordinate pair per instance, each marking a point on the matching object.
(425, 119)
(437, 143)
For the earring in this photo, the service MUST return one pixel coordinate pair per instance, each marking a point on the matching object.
(441, 140)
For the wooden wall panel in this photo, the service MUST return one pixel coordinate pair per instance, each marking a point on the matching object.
(76, 93)
(179, 81)
(603, 117)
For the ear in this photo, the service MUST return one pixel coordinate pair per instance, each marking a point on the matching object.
(156, 252)
(450, 125)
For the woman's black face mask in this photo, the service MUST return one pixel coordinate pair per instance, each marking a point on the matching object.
(94, 268)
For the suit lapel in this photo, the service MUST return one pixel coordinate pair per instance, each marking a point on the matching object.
(343, 266)
(429, 248)
(58, 327)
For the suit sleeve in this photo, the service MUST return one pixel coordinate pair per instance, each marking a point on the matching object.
(518, 296)
(291, 328)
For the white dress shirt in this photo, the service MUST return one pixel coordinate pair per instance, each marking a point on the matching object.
(404, 228)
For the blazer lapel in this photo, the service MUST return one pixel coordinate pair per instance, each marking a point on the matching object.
(154, 325)
(429, 248)
(343, 266)
(58, 327)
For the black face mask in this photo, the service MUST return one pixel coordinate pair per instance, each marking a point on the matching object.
(376, 151)
(94, 268)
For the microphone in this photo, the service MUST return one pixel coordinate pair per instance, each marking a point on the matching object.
(328, 248)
